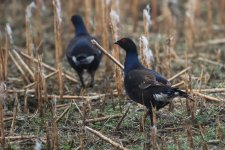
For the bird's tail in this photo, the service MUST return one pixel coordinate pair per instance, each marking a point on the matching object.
(184, 94)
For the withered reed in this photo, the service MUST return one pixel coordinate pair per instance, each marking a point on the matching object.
(14, 115)
(29, 30)
(190, 138)
(222, 12)
(108, 55)
(105, 34)
(209, 19)
(55, 139)
(154, 13)
(115, 33)
(2, 95)
(134, 13)
(87, 14)
(103, 137)
(146, 20)
(58, 42)
(49, 67)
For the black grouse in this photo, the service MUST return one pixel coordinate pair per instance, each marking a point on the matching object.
(145, 86)
(81, 53)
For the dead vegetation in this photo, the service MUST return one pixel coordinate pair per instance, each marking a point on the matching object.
(42, 105)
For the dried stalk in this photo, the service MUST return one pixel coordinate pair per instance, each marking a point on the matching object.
(211, 42)
(48, 143)
(134, 13)
(210, 90)
(29, 38)
(178, 84)
(37, 22)
(87, 13)
(222, 12)
(19, 67)
(190, 23)
(6, 55)
(121, 119)
(20, 137)
(63, 114)
(167, 16)
(49, 67)
(209, 16)
(205, 145)
(100, 11)
(180, 73)
(14, 115)
(75, 97)
(26, 110)
(114, 18)
(58, 41)
(211, 62)
(146, 20)
(210, 98)
(220, 132)
(145, 52)
(103, 137)
(23, 64)
(105, 34)
(101, 119)
(154, 13)
(54, 126)
(2, 132)
(153, 139)
(30, 85)
(190, 138)
(108, 55)
(39, 86)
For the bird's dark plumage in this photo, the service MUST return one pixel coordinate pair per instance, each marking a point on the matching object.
(145, 86)
(81, 54)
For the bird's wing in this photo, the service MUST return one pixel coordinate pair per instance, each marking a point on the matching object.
(159, 77)
(149, 80)
(144, 78)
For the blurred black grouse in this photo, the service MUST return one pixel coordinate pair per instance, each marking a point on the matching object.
(145, 86)
(81, 53)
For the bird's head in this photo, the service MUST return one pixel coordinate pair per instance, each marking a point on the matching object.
(127, 44)
(76, 19)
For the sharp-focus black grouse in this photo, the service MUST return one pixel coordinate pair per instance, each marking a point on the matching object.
(81, 53)
(145, 86)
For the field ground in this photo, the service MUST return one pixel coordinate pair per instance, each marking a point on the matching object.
(34, 114)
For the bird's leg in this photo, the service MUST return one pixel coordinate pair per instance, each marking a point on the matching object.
(153, 117)
(145, 117)
(80, 74)
(92, 73)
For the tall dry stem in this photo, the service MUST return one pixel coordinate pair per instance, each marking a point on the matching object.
(58, 42)
(146, 20)
(14, 114)
(2, 96)
(87, 14)
(38, 22)
(222, 12)
(105, 33)
(115, 31)
(54, 125)
(134, 13)
(29, 30)
(154, 13)
(209, 20)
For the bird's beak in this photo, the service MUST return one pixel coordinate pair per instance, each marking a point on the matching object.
(116, 42)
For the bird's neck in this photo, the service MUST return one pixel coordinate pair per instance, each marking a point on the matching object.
(80, 28)
(131, 62)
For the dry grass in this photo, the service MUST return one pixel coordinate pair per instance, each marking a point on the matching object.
(42, 102)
